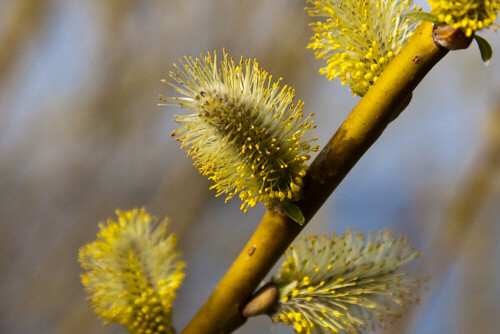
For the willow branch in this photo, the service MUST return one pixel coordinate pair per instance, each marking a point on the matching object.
(381, 104)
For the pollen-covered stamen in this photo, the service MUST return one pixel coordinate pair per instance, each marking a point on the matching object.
(343, 284)
(359, 38)
(245, 132)
(132, 272)
(469, 16)
(241, 127)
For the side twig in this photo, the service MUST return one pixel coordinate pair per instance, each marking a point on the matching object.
(381, 104)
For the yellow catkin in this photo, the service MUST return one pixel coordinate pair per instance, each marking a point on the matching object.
(467, 15)
(245, 132)
(354, 283)
(358, 38)
(118, 287)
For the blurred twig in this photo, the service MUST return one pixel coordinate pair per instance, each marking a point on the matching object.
(467, 201)
(22, 22)
(449, 239)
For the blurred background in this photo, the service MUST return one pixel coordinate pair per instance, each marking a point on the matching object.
(81, 135)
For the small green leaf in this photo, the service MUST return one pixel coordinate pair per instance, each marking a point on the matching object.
(292, 211)
(423, 16)
(286, 288)
(484, 48)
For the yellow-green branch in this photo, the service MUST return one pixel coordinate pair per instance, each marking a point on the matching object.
(382, 102)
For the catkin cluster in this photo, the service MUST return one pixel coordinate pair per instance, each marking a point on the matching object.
(245, 132)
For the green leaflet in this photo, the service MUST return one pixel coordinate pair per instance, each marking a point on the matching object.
(423, 16)
(292, 211)
(484, 48)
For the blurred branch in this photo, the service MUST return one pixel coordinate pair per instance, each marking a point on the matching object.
(22, 22)
(464, 206)
(467, 200)
(476, 187)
